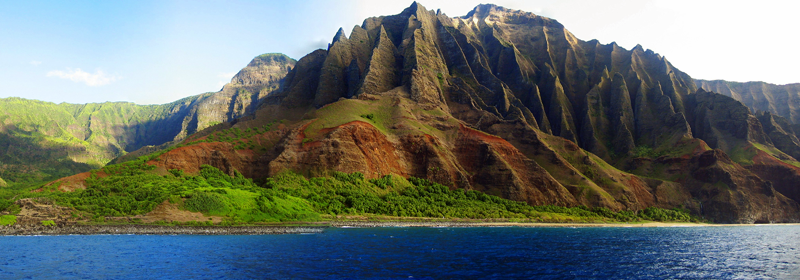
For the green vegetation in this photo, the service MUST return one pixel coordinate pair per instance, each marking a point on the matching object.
(395, 196)
(349, 110)
(369, 116)
(43, 141)
(645, 151)
(8, 220)
(743, 154)
(776, 153)
(386, 114)
(49, 223)
(134, 188)
(4, 203)
(236, 136)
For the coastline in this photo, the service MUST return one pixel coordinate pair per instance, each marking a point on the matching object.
(365, 224)
(156, 230)
(319, 227)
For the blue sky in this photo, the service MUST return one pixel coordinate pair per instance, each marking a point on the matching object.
(159, 51)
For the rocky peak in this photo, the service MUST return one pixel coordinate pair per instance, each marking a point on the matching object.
(498, 68)
(263, 69)
(340, 36)
(248, 88)
(483, 10)
(493, 13)
(271, 59)
(413, 9)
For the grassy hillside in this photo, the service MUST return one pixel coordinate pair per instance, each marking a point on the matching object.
(136, 188)
(42, 141)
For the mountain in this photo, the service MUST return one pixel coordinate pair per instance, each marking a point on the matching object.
(776, 107)
(781, 100)
(43, 141)
(511, 104)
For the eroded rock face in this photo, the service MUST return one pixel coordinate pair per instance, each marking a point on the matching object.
(301, 83)
(220, 155)
(781, 133)
(723, 122)
(495, 166)
(381, 74)
(513, 65)
(732, 194)
(242, 96)
(521, 77)
(478, 161)
(781, 100)
(781, 175)
(512, 104)
(352, 147)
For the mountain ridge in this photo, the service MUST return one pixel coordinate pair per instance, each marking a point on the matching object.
(470, 72)
(782, 100)
(511, 104)
(73, 138)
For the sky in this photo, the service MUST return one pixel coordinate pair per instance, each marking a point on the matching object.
(154, 52)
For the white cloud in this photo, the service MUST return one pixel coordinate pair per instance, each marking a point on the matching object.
(227, 75)
(35, 62)
(99, 78)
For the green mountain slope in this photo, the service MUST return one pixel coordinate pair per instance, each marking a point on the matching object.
(500, 101)
(42, 141)
(133, 190)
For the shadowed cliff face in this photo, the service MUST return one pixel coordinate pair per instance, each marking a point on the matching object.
(514, 65)
(605, 98)
(521, 77)
(512, 104)
(731, 194)
(247, 89)
(781, 100)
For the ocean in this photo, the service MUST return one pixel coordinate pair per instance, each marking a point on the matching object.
(734, 252)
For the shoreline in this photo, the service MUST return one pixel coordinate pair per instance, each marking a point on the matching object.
(368, 224)
(139, 229)
(319, 227)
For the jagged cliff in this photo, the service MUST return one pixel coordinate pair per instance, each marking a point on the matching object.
(781, 100)
(512, 104)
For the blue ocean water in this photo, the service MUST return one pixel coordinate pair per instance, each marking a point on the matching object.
(542, 253)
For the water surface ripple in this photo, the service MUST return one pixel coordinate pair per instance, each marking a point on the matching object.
(757, 252)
